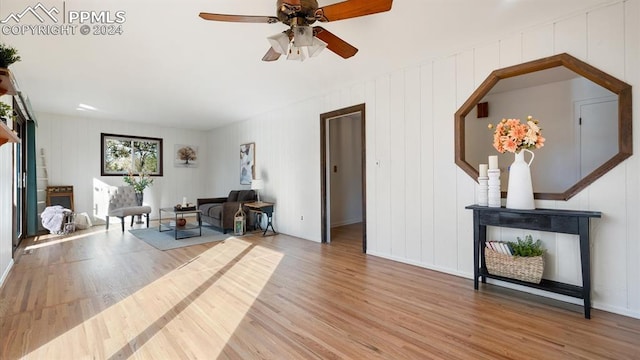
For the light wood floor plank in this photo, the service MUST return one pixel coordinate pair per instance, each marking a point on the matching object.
(107, 295)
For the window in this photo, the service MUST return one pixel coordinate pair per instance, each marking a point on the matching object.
(122, 154)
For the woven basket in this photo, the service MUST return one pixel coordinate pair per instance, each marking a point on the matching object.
(527, 269)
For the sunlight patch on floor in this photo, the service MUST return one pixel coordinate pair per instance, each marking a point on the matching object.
(48, 240)
(190, 312)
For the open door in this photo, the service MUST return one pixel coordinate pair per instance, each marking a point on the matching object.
(343, 188)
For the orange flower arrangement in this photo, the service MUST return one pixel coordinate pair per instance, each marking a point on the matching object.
(512, 135)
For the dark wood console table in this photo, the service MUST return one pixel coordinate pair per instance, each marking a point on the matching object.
(559, 221)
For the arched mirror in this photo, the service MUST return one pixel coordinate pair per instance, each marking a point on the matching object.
(584, 113)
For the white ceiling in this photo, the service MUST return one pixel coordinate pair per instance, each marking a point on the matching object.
(171, 68)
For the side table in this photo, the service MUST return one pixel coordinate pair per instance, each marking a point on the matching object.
(265, 208)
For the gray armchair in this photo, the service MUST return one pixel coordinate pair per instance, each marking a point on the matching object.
(123, 203)
(219, 211)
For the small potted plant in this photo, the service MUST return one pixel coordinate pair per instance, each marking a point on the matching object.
(522, 260)
(6, 112)
(139, 183)
(526, 247)
(8, 55)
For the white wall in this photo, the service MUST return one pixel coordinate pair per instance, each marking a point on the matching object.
(6, 205)
(287, 144)
(415, 193)
(72, 148)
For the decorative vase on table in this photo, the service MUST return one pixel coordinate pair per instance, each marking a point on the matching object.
(139, 182)
(514, 136)
(520, 188)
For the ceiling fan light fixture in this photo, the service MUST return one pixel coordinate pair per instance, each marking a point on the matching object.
(279, 42)
(299, 15)
(316, 47)
(296, 53)
(302, 35)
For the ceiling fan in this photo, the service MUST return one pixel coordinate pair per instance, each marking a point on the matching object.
(302, 38)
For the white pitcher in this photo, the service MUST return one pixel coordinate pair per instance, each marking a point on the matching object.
(520, 189)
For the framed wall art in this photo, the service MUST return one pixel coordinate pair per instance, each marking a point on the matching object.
(185, 156)
(247, 163)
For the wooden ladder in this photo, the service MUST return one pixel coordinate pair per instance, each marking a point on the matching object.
(42, 178)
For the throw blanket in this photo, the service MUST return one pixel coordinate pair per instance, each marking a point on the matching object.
(53, 218)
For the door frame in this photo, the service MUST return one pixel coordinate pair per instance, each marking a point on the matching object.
(19, 185)
(324, 122)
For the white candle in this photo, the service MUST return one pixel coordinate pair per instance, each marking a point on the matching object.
(184, 201)
(493, 162)
(483, 170)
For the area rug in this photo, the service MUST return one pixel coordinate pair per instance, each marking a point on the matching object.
(165, 240)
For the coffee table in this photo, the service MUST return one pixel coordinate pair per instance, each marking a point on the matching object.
(181, 232)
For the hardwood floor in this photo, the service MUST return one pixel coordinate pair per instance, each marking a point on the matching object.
(108, 295)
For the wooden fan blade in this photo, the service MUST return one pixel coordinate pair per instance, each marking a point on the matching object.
(352, 8)
(271, 55)
(334, 43)
(239, 18)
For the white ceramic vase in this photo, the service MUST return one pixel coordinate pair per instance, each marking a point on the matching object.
(520, 189)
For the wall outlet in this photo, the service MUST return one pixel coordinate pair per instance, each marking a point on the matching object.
(301, 217)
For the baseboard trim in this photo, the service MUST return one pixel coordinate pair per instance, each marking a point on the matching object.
(6, 273)
(346, 222)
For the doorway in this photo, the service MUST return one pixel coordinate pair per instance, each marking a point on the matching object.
(343, 170)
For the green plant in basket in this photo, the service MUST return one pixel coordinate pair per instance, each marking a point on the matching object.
(526, 247)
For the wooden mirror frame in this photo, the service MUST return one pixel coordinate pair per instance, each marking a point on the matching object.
(622, 89)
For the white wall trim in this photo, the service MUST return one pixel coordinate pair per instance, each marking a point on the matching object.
(615, 309)
(6, 272)
(346, 222)
(445, 270)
